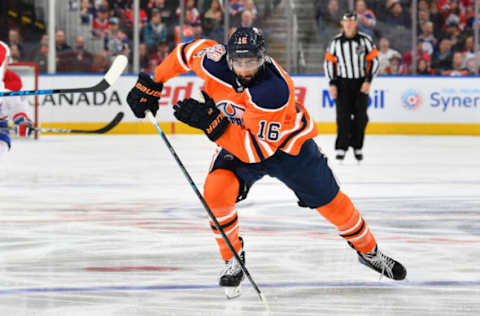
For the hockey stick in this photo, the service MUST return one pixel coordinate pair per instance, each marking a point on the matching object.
(101, 130)
(150, 116)
(110, 77)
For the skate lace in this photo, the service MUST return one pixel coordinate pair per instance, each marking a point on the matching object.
(231, 268)
(382, 262)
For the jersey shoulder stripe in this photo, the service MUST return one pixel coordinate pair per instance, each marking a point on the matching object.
(182, 53)
(257, 148)
(298, 131)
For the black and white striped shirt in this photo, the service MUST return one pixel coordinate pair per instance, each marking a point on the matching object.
(352, 58)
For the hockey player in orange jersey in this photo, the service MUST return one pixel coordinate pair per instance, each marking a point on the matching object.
(250, 111)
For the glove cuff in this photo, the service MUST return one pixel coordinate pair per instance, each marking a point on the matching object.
(217, 127)
(146, 80)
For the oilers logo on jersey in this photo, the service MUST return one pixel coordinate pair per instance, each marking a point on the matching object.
(232, 111)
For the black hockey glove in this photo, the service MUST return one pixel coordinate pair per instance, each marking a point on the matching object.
(202, 115)
(144, 95)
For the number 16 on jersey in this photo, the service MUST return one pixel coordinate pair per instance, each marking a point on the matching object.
(269, 130)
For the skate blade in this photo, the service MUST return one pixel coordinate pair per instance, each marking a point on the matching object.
(232, 291)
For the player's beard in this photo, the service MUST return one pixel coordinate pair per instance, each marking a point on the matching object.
(246, 80)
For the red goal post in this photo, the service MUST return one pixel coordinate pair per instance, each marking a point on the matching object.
(29, 73)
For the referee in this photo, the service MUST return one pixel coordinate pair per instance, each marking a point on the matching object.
(350, 63)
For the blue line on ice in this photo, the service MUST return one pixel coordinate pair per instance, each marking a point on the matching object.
(266, 285)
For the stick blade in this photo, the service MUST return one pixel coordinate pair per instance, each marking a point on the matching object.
(118, 66)
(101, 130)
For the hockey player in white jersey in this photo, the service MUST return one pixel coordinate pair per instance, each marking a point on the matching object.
(11, 108)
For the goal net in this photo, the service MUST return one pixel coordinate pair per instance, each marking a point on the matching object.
(29, 74)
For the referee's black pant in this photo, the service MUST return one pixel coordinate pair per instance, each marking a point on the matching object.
(351, 114)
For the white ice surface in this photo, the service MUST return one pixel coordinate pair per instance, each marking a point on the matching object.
(108, 225)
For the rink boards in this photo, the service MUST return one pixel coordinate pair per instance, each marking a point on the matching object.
(398, 105)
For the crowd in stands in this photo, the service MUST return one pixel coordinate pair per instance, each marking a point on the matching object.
(111, 21)
(445, 37)
(444, 32)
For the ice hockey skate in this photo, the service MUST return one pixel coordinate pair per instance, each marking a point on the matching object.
(232, 276)
(358, 154)
(340, 155)
(383, 264)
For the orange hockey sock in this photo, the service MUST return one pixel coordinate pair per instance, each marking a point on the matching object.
(220, 192)
(350, 224)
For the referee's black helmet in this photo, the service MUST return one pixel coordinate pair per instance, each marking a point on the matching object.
(350, 15)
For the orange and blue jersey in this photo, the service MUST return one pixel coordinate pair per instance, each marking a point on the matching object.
(265, 117)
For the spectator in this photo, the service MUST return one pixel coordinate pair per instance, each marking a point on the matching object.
(14, 54)
(191, 13)
(155, 31)
(468, 48)
(144, 57)
(166, 11)
(423, 17)
(423, 5)
(457, 67)
(76, 60)
(187, 31)
(100, 23)
(119, 5)
(396, 15)
(213, 30)
(407, 59)
(472, 63)
(394, 67)
(247, 19)
(250, 6)
(41, 56)
(423, 67)
(100, 62)
(437, 19)
(366, 18)
(443, 6)
(86, 11)
(467, 4)
(454, 34)
(197, 31)
(429, 42)
(384, 54)
(104, 3)
(442, 59)
(454, 14)
(469, 18)
(215, 12)
(60, 44)
(328, 19)
(115, 42)
(14, 38)
(128, 15)
(81, 53)
(161, 53)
